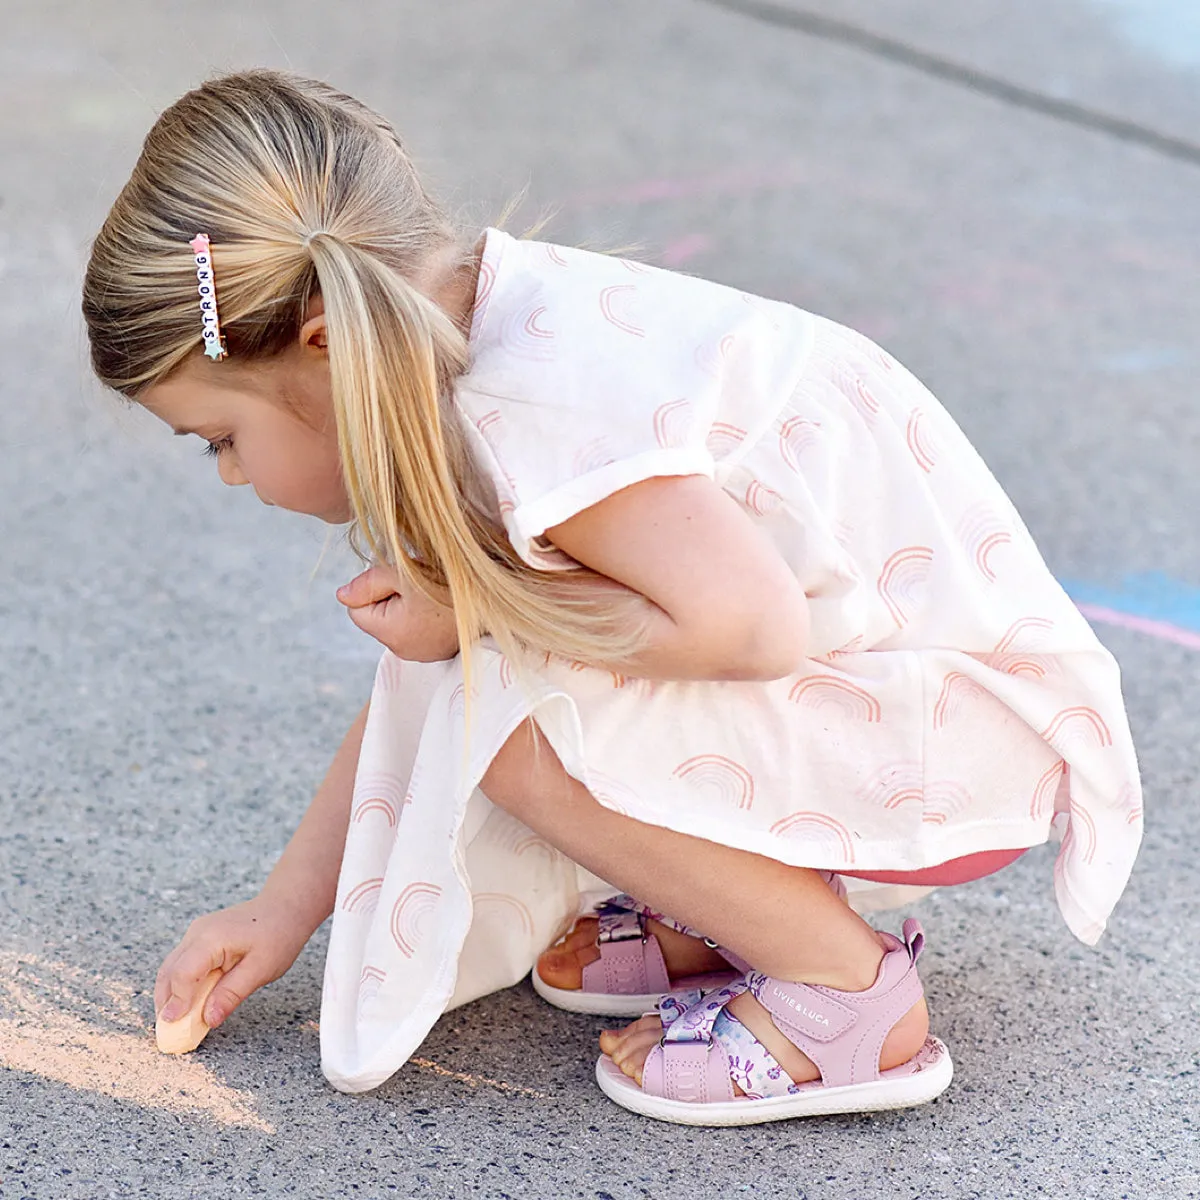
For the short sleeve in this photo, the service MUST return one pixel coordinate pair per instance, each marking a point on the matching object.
(589, 374)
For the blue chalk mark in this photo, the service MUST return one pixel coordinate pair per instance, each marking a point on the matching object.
(1167, 28)
(1153, 595)
(1142, 361)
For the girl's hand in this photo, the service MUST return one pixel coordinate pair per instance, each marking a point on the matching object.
(252, 943)
(400, 616)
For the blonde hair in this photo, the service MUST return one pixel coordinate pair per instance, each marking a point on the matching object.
(305, 191)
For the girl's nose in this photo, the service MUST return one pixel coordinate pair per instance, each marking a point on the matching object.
(230, 471)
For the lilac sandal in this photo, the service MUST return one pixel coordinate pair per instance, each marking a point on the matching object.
(688, 1077)
(630, 975)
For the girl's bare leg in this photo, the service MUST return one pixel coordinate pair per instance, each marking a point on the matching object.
(784, 920)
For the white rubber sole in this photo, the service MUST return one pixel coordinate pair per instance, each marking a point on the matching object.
(603, 1004)
(594, 1004)
(927, 1076)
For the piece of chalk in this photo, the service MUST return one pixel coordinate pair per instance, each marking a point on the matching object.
(185, 1034)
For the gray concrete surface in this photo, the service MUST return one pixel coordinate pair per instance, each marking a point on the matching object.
(174, 676)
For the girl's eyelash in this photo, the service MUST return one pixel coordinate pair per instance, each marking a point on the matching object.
(215, 448)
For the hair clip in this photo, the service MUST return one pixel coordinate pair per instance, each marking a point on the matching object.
(214, 343)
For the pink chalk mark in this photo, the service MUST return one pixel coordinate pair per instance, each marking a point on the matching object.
(1156, 629)
(737, 182)
(678, 252)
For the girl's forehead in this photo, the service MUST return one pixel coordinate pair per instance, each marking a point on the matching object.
(186, 398)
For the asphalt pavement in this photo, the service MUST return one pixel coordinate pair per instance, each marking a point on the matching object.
(1003, 193)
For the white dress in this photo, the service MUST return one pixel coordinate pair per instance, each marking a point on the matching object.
(955, 700)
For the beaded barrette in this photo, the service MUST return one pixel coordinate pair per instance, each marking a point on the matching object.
(214, 343)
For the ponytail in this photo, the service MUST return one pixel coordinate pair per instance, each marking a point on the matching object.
(304, 190)
(394, 356)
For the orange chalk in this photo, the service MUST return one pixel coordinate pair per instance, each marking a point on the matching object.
(185, 1034)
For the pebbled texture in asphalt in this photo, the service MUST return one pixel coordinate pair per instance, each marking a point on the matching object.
(175, 672)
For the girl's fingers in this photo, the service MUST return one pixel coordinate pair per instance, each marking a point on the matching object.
(234, 987)
(373, 619)
(192, 965)
(162, 982)
(374, 584)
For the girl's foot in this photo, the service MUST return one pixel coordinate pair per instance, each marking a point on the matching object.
(741, 1055)
(562, 965)
(629, 1047)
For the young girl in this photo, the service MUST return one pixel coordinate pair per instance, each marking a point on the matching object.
(685, 593)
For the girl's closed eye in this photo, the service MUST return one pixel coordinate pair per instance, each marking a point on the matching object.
(218, 447)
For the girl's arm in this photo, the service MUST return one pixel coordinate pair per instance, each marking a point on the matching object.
(720, 600)
(255, 942)
(304, 880)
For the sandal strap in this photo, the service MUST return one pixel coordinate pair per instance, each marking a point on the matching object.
(843, 1032)
(631, 962)
(689, 1063)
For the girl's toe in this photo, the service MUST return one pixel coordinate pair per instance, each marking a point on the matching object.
(583, 933)
(562, 967)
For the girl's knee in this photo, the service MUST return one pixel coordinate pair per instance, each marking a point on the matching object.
(522, 770)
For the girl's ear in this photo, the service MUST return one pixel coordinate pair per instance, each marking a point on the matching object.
(313, 332)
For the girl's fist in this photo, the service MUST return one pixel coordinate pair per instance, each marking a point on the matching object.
(400, 616)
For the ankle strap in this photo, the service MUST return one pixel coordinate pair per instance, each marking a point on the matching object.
(843, 1032)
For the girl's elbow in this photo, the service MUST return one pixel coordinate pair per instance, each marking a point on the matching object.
(775, 647)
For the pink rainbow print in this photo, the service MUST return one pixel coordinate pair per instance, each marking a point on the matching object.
(611, 792)
(711, 359)
(364, 898)
(505, 672)
(377, 804)
(673, 423)
(618, 680)
(798, 823)
(555, 255)
(796, 435)
(536, 330)
(731, 782)
(853, 646)
(877, 354)
(369, 985)
(1046, 790)
(831, 691)
(762, 500)
(1131, 799)
(593, 455)
(923, 448)
(635, 268)
(1078, 724)
(956, 688)
(902, 581)
(1030, 633)
(491, 428)
(1084, 819)
(483, 291)
(384, 787)
(410, 914)
(390, 674)
(618, 305)
(895, 784)
(944, 799)
(1037, 666)
(535, 845)
(510, 904)
(527, 334)
(981, 532)
(723, 439)
(456, 706)
(864, 401)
